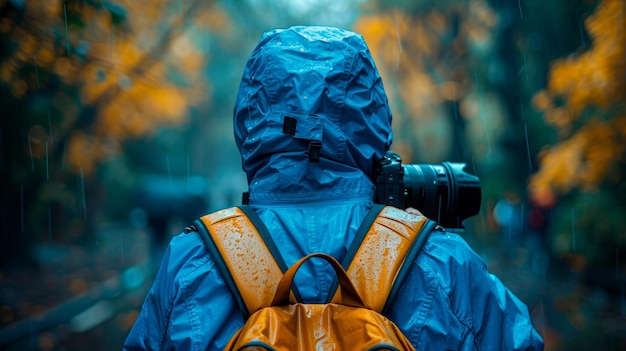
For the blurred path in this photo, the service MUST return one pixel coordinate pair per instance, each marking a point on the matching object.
(77, 298)
(88, 298)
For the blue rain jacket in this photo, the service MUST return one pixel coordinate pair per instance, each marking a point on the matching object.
(309, 91)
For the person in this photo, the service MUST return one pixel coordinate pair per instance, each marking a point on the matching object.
(161, 201)
(310, 119)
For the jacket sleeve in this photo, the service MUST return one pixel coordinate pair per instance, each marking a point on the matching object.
(449, 301)
(495, 318)
(149, 330)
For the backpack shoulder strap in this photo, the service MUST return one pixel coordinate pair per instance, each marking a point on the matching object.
(387, 238)
(245, 255)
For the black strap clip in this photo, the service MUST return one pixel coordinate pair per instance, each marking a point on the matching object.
(245, 198)
(315, 148)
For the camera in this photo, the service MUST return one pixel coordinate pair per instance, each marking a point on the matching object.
(442, 192)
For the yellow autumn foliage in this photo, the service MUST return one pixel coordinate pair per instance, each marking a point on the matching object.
(591, 83)
(122, 71)
(84, 150)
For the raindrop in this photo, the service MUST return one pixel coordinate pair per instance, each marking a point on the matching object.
(67, 37)
(398, 36)
(439, 210)
(82, 188)
(301, 49)
(482, 114)
(530, 164)
(49, 226)
(188, 172)
(47, 166)
(483, 221)
(573, 233)
(36, 70)
(50, 128)
(30, 149)
(519, 4)
(617, 263)
(22, 208)
(582, 33)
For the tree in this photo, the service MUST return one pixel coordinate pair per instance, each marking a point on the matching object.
(78, 79)
(435, 60)
(584, 101)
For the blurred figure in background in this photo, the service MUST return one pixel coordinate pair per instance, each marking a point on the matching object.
(537, 255)
(165, 204)
(507, 213)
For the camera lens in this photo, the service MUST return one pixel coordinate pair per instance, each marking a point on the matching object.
(443, 192)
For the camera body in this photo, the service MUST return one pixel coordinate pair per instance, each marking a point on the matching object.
(442, 192)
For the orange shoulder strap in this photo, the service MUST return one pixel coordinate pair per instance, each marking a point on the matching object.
(387, 239)
(245, 255)
(251, 265)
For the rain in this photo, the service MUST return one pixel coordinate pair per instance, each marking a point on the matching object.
(67, 36)
(30, 150)
(481, 108)
(36, 71)
(47, 168)
(573, 231)
(530, 163)
(117, 134)
(50, 129)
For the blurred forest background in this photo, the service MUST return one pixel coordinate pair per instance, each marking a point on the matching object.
(116, 130)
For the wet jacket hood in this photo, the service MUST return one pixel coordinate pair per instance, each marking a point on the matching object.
(311, 92)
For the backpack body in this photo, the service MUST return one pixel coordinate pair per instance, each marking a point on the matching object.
(352, 317)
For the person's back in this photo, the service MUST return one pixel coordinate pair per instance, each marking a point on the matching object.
(311, 118)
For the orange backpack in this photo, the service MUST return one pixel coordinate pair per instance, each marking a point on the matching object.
(351, 319)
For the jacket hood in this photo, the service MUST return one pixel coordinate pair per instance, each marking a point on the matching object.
(311, 113)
